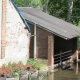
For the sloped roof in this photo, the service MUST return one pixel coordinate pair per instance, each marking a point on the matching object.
(50, 23)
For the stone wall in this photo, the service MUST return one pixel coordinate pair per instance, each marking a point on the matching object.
(17, 37)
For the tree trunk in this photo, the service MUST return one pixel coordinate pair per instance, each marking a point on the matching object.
(47, 1)
(70, 3)
(45, 5)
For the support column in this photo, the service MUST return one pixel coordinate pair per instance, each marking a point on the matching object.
(51, 50)
(76, 70)
(76, 52)
(3, 30)
(35, 42)
(75, 49)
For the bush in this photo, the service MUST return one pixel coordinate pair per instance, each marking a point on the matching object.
(9, 65)
(37, 65)
(20, 62)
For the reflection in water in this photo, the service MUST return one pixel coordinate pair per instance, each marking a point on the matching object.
(76, 68)
(68, 74)
(50, 77)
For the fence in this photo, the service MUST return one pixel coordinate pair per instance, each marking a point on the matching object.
(62, 56)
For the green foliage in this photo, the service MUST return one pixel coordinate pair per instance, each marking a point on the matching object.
(29, 76)
(22, 3)
(59, 8)
(20, 72)
(40, 77)
(20, 62)
(35, 64)
(9, 64)
(76, 12)
(27, 3)
(14, 74)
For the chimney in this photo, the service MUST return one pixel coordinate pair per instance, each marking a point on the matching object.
(3, 29)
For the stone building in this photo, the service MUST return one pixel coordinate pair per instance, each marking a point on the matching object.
(14, 38)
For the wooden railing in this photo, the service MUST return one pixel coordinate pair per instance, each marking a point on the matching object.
(62, 56)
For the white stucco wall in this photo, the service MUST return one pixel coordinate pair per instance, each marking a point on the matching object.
(0, 23)
(17, 39)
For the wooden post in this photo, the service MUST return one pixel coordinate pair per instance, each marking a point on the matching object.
(35, 41)
(75, 49)
(76, 70)
(51, 51)
(76, 52)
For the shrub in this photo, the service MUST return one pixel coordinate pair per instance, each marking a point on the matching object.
(40, 77)
(9, 65)
(14, 74)
(37, 65)
(20, 62)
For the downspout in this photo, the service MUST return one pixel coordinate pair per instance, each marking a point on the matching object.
(20, 14)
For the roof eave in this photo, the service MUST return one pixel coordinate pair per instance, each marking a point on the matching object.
(66, 38)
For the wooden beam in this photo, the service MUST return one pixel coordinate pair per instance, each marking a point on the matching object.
(51, 50)
(75, 49)
(76, 52)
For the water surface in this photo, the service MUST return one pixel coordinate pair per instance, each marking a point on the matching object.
(72, 73)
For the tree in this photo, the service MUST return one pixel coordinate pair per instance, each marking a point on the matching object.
(70, 3)
(23, 3)
(45, 5)
(58, 8)
(75, 18)
(64, 9)
(47, 1)
(27, 3)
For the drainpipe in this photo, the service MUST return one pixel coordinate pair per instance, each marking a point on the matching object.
(35, 41)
